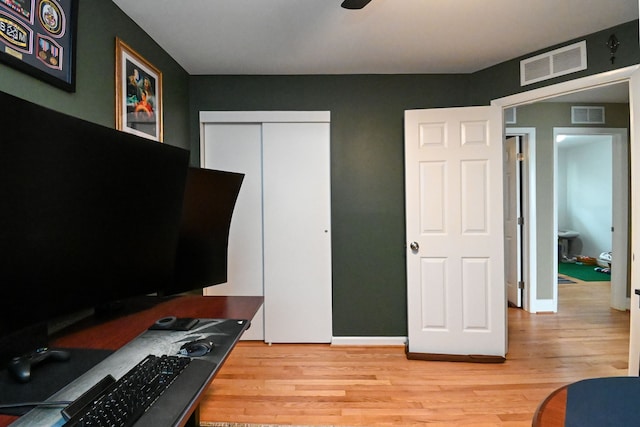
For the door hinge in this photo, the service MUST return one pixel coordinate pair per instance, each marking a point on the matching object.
(520, 157)
(520, 284)
(520, 220)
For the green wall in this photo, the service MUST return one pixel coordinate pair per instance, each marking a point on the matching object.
(367, 139)
(369, 278)
(367, 174)
(504, 79)
(99, 22)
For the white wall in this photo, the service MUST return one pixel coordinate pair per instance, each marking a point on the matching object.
(585, 192)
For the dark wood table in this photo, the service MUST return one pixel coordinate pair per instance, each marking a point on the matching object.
(592, 402)
(115, 332)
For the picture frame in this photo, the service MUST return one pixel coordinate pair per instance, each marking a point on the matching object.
(38, 37)
(138, 87)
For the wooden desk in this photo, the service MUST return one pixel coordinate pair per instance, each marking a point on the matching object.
(591, 403)
(552, 410)
(114, 333)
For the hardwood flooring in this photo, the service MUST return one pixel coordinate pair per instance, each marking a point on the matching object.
(377, 386)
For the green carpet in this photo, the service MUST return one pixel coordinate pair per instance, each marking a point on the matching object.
(583, 272)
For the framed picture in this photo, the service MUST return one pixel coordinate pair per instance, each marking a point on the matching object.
(38, 37)
(138, 94)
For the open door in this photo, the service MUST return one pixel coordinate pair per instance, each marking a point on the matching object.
(634, 336)
(455, 234)
(513, 220)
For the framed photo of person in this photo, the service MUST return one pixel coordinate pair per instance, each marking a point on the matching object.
(39, 38)
(138, 94)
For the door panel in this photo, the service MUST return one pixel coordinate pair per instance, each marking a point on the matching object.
(297, 242)
(238, 148)
(634, 344)
(455, 268)
(512, 229)
(280, 236)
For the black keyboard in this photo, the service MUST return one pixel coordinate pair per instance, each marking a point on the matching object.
(122, 403)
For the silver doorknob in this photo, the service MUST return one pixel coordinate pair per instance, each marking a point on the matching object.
(414, 246)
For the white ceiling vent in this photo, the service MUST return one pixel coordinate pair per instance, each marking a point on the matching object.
(564, 60)
(587, 115)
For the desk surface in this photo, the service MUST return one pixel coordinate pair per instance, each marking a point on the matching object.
(115, 333)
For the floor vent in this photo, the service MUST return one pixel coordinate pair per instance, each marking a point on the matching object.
(558, 62)
(587, 115)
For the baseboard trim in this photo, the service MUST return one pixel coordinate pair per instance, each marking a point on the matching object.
(545, 306)
(400, 341)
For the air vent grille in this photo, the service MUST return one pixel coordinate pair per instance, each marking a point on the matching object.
(510, 115)
(558, 62)
(587, 115)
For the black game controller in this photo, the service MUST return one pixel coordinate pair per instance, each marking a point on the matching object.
(20, 367)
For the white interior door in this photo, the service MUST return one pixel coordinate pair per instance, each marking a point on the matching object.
(297, 238)
(634, 344)
(455, 232)
(237, 147)
(512, 226)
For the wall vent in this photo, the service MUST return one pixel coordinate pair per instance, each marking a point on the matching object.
(587, 115)
(558, 62)
(510, 116)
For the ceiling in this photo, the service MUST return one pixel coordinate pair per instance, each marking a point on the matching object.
(386, 37)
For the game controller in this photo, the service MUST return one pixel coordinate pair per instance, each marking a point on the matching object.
(20, 367)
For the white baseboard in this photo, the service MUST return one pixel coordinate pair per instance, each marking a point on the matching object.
(545, 306)
(368, 341)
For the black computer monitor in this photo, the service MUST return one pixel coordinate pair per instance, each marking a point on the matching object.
(89, 214)
(209, 200)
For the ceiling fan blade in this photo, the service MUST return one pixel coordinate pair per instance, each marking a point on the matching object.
(354, 4)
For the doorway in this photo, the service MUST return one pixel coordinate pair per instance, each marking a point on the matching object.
(541, 280)
(600, 197)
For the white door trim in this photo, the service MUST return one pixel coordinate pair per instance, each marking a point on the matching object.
(616, 76)
(265, 116)
(611, 77)
(620, 139)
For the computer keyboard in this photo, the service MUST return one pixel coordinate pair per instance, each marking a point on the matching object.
(124, 401)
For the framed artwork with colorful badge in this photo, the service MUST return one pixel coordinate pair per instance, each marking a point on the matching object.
(38, 37)
(138, 94)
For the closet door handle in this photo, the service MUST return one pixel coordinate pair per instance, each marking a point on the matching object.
(414, 246)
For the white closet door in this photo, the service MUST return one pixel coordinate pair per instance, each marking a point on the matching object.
(297, 235)
(238, 148)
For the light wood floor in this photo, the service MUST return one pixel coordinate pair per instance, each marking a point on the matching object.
(378, 386)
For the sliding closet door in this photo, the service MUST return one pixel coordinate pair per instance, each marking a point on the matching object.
(280, 237)
(297, 238)
(237, 147)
